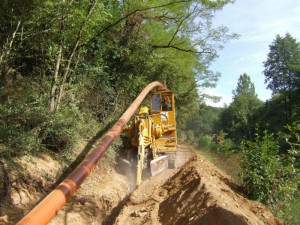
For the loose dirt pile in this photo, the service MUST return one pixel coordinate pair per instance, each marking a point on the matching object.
(23, 181)
(92, 203)
(199, 193)
(97, 198)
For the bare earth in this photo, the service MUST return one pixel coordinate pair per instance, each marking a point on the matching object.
(196, 192)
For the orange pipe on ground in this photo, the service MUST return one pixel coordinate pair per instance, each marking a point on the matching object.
(53, 202)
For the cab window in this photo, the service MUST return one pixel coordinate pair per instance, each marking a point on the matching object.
(155, 102)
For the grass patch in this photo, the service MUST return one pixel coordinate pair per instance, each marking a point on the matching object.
(289, 212)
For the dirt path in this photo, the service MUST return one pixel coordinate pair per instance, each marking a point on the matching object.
(196, 192)
(104, 193)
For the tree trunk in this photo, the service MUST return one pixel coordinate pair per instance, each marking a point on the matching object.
(7, 49)
(70, 57)
(52, 106)
(54, 80)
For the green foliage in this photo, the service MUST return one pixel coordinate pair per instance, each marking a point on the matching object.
(270, 160)
(21, 116)
(272, 116)
(289, 211)
(284, 53)
(223, 145)
(282, 74)
(181, 134)
(237, 118)
(27, 126)
(244, 87)
(205, 120)
(205, 141)
(69, 68)
(267, 176)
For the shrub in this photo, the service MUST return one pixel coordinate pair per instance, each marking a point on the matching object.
(289, 211)
(181, 134)
(205, 141)
(223, 144)
(190, 136)
(266, 175)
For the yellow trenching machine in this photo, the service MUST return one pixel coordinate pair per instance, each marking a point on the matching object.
(153, 135)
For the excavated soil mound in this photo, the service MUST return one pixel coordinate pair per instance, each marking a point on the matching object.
(96, 199)
(91, 204)
(199, 193)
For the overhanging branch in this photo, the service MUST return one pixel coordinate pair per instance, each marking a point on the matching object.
(181, 49)
(132, 13)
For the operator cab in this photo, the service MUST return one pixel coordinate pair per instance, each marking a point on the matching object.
(162, 111)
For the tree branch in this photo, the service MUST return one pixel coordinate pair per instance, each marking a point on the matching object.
(180, 23)
(183, 95)
(181, 49)
(134, 12)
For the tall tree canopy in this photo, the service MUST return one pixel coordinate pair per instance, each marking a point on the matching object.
(85, 59)
(244, 87)
(279, 73)
(282, 73)
(237, 118)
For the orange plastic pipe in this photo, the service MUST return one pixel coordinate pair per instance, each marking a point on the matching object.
(53, 202)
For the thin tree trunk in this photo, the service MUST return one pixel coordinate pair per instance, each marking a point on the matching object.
(10, 43)
(71, 55)
(57, 67)
(4, 65)
(54, 81)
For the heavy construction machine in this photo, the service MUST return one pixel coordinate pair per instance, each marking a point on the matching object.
(153, 135)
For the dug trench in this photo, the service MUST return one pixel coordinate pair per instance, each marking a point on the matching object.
(196, 192)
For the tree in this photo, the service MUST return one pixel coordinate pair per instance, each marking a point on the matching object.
(89, 58)
(163, 40)
(237, 118)
(284, 53)
(282, 74)
(244, 87)
(268, 176)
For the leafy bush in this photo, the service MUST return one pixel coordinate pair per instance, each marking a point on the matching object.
(21, 119)
(289, 212)
(27, 126)
(181, 134)
(205, 141)
(267, 176)
(190, 136)
(222, 144)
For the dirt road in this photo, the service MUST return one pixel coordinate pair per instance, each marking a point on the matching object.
(196, 192)
(104, 193)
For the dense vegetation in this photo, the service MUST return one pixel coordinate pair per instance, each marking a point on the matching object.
(266, 135)
(69, 68)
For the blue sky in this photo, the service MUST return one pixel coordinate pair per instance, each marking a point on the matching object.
(257, 22)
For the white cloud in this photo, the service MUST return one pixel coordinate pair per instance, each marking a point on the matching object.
(225, 99)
